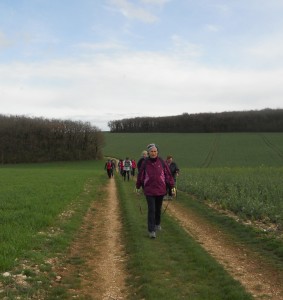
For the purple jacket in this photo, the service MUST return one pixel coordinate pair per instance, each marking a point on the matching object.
(153, 177)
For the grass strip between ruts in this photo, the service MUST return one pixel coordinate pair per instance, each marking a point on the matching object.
(172, 266)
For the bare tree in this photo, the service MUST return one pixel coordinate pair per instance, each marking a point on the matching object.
(39, 140)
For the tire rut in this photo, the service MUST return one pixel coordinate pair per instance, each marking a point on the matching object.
(274, 148)
(258, 278)
(208, 159)
(99, 245)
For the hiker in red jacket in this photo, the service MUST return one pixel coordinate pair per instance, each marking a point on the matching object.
(134, 166)
(153, 176)
(121, 167)
(108, 168)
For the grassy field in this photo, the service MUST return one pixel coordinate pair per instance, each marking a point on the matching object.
(32, 199)
(241, 172)
(203, 150)
(42, 206)
(251, 193)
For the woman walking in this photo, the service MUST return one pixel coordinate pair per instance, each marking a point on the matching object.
(153, 176)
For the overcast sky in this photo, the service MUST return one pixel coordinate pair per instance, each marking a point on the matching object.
(103, 60)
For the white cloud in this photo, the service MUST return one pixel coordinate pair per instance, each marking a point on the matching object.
(212, 28)
(107, 88)
(131, 11)
(206, 56)
(184, 48)
(223, 8)
(110, 45)
(155, 2)
(269, 49)
(4, 41)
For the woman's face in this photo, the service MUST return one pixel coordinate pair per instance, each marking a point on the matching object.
(153, 152)
(169, 160)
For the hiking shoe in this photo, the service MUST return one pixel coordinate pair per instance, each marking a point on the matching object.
(152, 235)
(158, 228)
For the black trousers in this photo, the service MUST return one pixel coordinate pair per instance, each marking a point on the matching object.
(154, 205)
(126, 174)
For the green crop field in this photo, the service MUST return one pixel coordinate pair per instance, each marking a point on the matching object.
(242, 172)
(31, 199)
(203, 150)
(251, 193)
(41, 210)
(42, 207)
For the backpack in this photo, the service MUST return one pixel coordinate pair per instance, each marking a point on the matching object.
(109, 165)
(127, 164)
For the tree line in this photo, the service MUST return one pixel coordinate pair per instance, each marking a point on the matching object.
(28, 140)
(266, 120)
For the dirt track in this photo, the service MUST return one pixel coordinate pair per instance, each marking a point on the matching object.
(103, 274)
(100, 247)
(256, 276)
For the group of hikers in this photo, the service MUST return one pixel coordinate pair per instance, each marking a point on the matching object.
(156, 178)
(126, 168)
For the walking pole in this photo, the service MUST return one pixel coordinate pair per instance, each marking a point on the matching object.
(166, 207)
(176, 188)
(139, 199)
(172, 197)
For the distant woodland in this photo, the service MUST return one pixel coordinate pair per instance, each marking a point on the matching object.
(28, 140)
(41, 140)
(266, 120)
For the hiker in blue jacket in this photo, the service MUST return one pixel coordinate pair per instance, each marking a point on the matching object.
(153, 176)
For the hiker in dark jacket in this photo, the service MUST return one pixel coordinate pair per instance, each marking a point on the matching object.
(153, 176)
(174, 169)
(127, 168)
(113, 162)
(143, 157)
